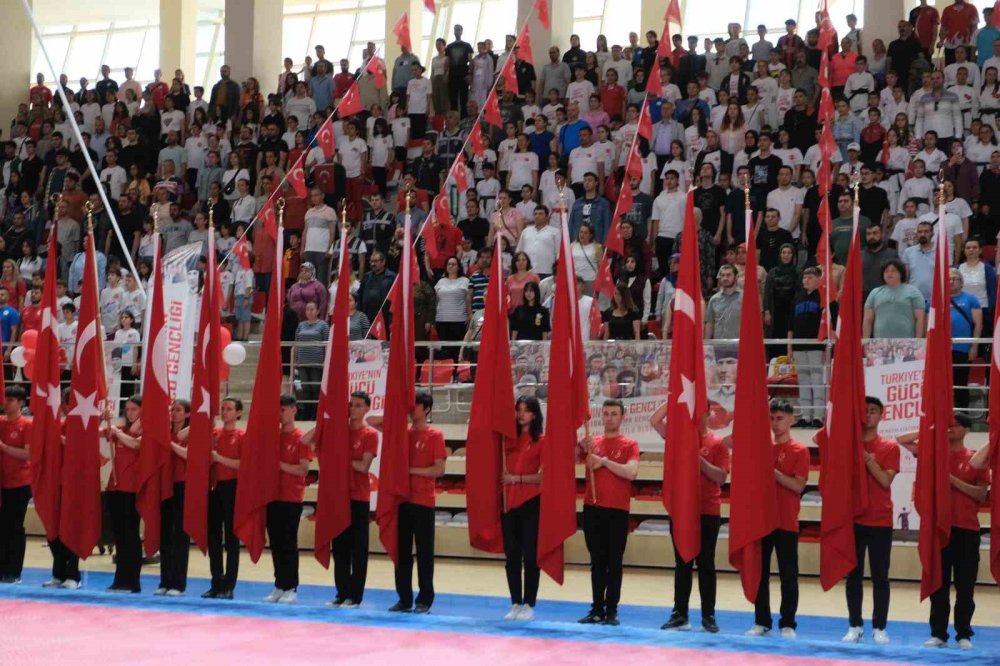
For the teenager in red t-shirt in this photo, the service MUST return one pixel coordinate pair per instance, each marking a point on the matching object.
(15, 484)
(350, 547)
(522, 476)
(960, 558)
(122, 487)
(228, 442)
(714, 464)
(791, 471)
(65, 563)
(174, 541)
(283, 514)
(613, 461)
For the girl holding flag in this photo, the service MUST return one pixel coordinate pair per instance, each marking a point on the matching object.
(124, 483)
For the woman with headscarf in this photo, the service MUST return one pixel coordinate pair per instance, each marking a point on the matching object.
(634, 278)
(307, 289)
(779, 296)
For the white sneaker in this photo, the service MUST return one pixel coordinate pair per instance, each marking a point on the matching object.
(853, 635)
(274, 596)
(758, 630)
(160, 592)
(349, 603)
(964, 644)
(71, 584)
(527, 613)
(515, 610)
(173, 593)
(288, 597)
(788, 632)
(934, 642)
(880, 637)
(54, 582)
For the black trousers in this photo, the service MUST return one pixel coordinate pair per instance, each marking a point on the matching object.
(960, 378)
(663, 247)
(786, 545)
(415, 528)
(418, 125)
(450, 332)
(175, 544)
(283, 535)
(520, 547)
(877, 541)
(684, 571)
(380, 176)
(128, 545)
(13, 507)
(65, 563)
(350, 554)
(606, 534)
(458, 93)
(221, 505)
(959, 563)
(311, 377)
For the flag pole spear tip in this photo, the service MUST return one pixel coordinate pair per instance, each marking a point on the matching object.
(89, 207)
(211, 217)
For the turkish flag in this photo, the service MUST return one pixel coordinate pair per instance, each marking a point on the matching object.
(542, 11)
(933, 485)
(842, 464)
(375, 68)
(824, 261)
(460, 174)
(80, 502)
(351, 102)
(687, 401)
(673, 13)
(491, 110)
(297, 179)
(509, 76)
(155, 452)
(476, 140)
(440, 214)
(242, 252)
(394, 470)
(523, 46)
(491, 421)
(753, 503)
(823, 78)
(429, 4)
(645, 122)
(326, 138)
(568, 389)
(614, 242)
(260, 471)
(46, 399)
(633, 165)
(332, 436)
(604, 282)
(204, 404)
(377, 331)
(994, 442)
(402, 31)
(654, 85)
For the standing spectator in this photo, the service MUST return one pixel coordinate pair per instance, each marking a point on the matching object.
(375, 285)
(224, 100)
(958, 21)
(402, 70)
(521, 275)
(873, 258)
(896, 309)
(772, 239)
(624, 321)
(919, 260)
(318, 233)
(310, 352)
(779, 294)
(966, 322)
(451, 313)
(803, 328)
(530, 320)
(980, 279)
(722, 315)
(307, 289)
(540, 242)
(459, 54)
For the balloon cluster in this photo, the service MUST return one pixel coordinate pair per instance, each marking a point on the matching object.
(24, 356)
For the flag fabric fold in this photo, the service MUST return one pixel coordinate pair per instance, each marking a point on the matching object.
(492, 418)
(523, 44)
(542, 12)
(491, 110)
(326, 138)
(687, 401)
(402, 31)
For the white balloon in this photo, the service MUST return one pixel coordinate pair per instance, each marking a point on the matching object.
(17, 357)
(234, 353)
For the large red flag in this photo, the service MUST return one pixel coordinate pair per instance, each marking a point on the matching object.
(476, 140)
(351, 102)
(492, 418)
(994, 443)
(654, 84)
(491, 110)
(80, 503)
(333, 505)
(204, 404)
(326, 138)
(260, 472)
(933, 485)
(623, 204)
(297, 179)
(842, 462)
(568, 389)
(377, 71)
(155, 452)
(523, 44)
(394, 470)
(429, 4)
(542, 11)
(673, 13)
(604, 281)
(753, 496)
(509, 76)
(402, 31)
(687, 402)
(46, 398)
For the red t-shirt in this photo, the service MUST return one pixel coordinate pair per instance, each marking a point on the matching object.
(964, 509)
(158, 92)
(522, 456)
(927, 21)
(841, 67)
(958, 22)
(228, 443)
(426, 446)
(879, 513)
(613, 492)
(31, 318)
(292, 487)
(612, 99)
(791, 458)
(178, 464)
(421, 200)
(363, 440)
(126, 468)
(717, 453)
(16, 433)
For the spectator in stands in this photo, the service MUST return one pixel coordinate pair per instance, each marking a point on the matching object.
(530, 319)
(623, 319)
(307, 289)
(873, 257)
(895, 309)
(919, 260)
(966, 322)
(310, 352)
(375, 285)
(540, 242)
(722, 315)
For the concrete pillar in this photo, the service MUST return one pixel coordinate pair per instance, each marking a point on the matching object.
(253, 39)
(15, 65)
(178, 26)
(880, 21)
(561, 22)
(393, 10)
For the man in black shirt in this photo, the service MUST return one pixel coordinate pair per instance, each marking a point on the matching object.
(764, 169)
(30, 167)
(474, 227)
(574, 56)
(641, 210)
(378, 227)
(428, 168)
(800, 121)
(525, 73)
(902, 52)
(458, 53)
(872, 199)
(271, 140)
(711, 200)
(770, 238)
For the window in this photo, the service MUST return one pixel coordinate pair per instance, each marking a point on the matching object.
(343, 27)
(612, 18)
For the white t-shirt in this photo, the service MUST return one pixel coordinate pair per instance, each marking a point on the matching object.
(67, 340)
(172, 121)
(784, 201)
(400, 131)
(317, 224)
(351, 152)
(381, 147)
(580, 92)
(521, 167)
(581, 161)
(541, 246)
(417, 91)
(116, 178)
(196, 147)
(302, 108)
(668, 210)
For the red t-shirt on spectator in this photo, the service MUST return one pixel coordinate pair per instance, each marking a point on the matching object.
(15, 433)
(716, 453)
(522, 456)
(879, 512)
(791, 458)
(613, 492)
(964, 509)
(292, 487)
(612, 99)
(31, 318)
(927, 20)
(958, 23)
(229, 444)
(158, 92)
(363, 440)
(426, 446)
(841, 67)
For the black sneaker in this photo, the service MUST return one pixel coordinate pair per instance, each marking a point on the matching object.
(677, 622)
(611, 619)
(422, 609)
(224, 594)
(801, 423)
(708, 624)
(816, 423)
(593, 617)
(399, 607)
(210, 594)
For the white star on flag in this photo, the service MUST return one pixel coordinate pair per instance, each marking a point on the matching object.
(684, 304)
(203, 408)
(52, 398)
(86, 408)
(687, 396)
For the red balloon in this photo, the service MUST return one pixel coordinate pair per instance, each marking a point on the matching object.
(29, 339)
(225, 337)
(29, 354)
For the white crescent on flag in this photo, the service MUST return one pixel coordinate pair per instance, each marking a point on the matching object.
(86, 336)
(159, 361)
(684, 304)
